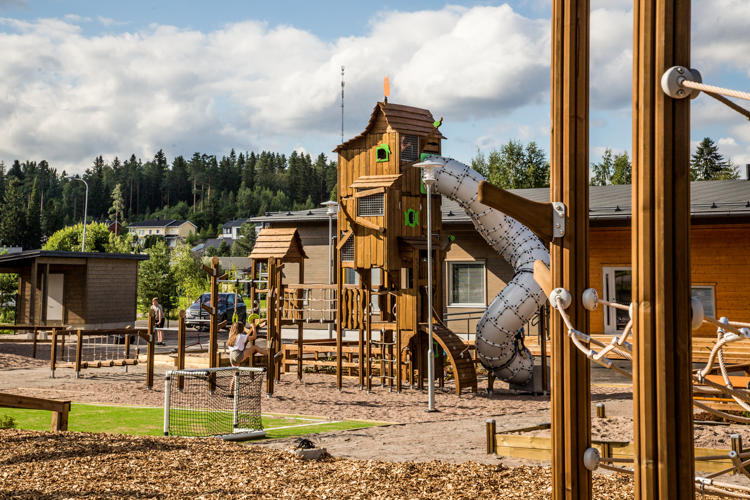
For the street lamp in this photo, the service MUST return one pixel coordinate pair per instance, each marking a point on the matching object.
(429, 165)
(85, 210)
(333, 208)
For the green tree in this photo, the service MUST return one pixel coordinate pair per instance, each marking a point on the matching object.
(190, 279)
(246, 241)
(602, 171)
(537, 167)
(706, 163)
(622, 169)
(731, 172)
(513, 166)
(156, 279)
(8, 296)
(224, 249)
(479, 164)
(98, 239)
(33, 220)
(13, 215)
(118, 204)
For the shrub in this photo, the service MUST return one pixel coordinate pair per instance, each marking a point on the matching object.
(7, 422)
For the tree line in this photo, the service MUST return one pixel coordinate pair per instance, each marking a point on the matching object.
(37, 200)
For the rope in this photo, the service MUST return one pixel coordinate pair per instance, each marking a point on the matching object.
(721, 414)
(729, 103)
(715, 90)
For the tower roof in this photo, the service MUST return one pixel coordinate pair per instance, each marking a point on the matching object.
(400, 118)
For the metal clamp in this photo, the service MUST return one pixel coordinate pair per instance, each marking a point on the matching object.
(558, 220)
(671, 82)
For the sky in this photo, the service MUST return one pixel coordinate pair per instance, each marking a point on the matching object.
(86, 78)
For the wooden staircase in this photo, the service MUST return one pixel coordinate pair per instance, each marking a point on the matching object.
(463, 366)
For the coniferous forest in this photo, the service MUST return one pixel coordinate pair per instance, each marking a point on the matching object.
(38, 200)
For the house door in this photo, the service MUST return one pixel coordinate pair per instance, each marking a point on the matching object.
(55, 297)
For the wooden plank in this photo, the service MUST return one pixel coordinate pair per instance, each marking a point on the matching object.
(532, 214)
(369, 192)
(29, 403)
(370, 225)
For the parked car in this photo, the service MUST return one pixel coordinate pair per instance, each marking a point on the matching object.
(196, 317)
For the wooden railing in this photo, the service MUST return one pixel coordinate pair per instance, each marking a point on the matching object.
(59, 409)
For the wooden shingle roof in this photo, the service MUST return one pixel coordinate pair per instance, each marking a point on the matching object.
(375, 181)
(284, 244)
(400, 118)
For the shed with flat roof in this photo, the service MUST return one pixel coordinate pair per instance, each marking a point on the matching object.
(82, 289)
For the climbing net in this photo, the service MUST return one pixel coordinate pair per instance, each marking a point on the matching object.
(308, 305)
(728, 332)
(99, 350)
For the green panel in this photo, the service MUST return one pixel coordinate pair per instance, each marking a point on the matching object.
(385, 149)
(411, 218)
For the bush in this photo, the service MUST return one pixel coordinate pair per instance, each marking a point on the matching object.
(7, 422)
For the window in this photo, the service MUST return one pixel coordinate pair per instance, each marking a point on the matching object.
(141, 232)
(409, 147)
(173, 231)
(149, 231)
(705, 293)
(382, 152)
(371, 206)
(351, 277)
(466, 282)
(617, 287)
(347, 252)
(157, 231)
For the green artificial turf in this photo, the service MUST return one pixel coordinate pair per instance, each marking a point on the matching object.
(149, 421)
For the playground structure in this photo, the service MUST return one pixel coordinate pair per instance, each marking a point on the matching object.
(89, 349)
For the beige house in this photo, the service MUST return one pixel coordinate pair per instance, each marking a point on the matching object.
(170, 229)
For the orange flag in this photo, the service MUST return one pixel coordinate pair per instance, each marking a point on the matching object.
(386, 86)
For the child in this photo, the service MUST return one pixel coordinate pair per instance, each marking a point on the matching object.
(239, 348)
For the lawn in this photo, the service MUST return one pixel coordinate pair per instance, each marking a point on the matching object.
(150, 421)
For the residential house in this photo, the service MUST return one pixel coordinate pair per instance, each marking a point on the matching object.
(170, 229)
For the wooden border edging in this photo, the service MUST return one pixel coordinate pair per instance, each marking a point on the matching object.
(59, 409)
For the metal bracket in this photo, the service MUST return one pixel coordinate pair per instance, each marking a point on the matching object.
(558, 220)
(671, 82)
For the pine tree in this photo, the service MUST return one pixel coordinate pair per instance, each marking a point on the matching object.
(537, 167)
(156, 278)
(602, 171)
(706, 163)
(13, 215)
(33, 237)
(118, 204)
(246, 241)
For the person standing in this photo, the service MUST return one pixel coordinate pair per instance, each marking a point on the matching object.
(159, 317)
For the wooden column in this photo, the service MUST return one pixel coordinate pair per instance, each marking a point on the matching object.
(32, 297)
(270, 324)
(213, 330)
(339, 322)
(151, 337)
(569, 160)
(662, 399)
(45, 294)
(278, 317)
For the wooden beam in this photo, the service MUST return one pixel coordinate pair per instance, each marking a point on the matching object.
(532, 214)
(662, 406)
(369, 192)
(371, 225)
(344, 239)
(569, 184)
(32, 298)
(542, 277)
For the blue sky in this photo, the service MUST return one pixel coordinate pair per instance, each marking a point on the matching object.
(84, 78)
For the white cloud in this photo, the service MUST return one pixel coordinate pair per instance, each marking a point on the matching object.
(75, 18)
(67, 97)
(107, 21)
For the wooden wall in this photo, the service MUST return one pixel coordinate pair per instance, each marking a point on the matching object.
(73, 299)
(112, 286)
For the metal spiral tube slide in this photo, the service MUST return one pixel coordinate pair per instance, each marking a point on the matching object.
(498, 342)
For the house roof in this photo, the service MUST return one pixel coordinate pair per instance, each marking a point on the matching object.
(402, 119)
(709, 199)
(284, 244)
(233, 223)
(161, 223)
(16, 259)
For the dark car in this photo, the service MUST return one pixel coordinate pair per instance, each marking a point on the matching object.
(198, 318)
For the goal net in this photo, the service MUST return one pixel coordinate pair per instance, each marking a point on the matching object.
(220, 402)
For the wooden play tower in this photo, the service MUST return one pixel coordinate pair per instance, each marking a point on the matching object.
(382, 233)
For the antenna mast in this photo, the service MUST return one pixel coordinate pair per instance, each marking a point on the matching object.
(342, 104)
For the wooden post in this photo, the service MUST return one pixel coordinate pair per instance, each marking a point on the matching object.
(53, 353)
(181, 334)
(271, 296)
(491, 429)
(45, 293)
(543, 346)
(569, 160)
(60, 418)
(151, 335)
(79, 352)
(278, 317)
(339, 322)
(33, 346)
(32, 297)
(213, 331)
(662, 397)
(363, 324)
(736, 441)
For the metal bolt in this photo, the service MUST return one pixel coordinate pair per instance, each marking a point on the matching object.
(680, 70)
(562, 232)
(680, 92)
(557, 225)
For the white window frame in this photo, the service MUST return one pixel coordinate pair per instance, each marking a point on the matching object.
(449, 289)
(608, 293)
(713, 295)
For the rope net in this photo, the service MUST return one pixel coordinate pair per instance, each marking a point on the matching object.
(213, 402)
(727, 333)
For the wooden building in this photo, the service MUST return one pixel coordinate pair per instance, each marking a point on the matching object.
(474, 273)
(81, 289)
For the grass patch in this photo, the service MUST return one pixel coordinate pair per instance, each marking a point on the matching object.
(150, 421)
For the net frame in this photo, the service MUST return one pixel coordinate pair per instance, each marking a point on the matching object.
(214, 402)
